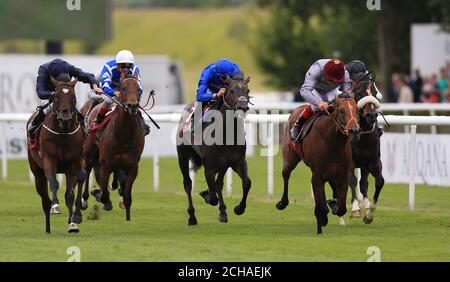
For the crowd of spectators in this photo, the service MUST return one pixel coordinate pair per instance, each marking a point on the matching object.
(418, 89)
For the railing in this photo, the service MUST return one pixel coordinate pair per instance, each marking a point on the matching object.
(271, 120)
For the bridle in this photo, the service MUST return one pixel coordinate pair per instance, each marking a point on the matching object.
(340, 127)
(240, 99)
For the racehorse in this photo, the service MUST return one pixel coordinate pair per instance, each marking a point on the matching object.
(217, 157)
(326, 149)
(60, 151)
(119, 146)
(366, 150)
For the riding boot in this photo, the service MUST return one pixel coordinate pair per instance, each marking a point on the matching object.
(295, 130)
(100, 118)
(144, 126)
(37, 120)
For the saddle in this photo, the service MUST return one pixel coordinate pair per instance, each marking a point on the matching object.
(297, 147)
(94, 128)
(205, 108)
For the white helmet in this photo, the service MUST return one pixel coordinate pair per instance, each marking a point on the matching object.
(124, 56)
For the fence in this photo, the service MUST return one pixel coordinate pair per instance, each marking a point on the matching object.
(271, 120)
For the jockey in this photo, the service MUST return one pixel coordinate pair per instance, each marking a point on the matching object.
(323, 82)
(212, 82)
(110, 83)
(62, 71)
(356, 70)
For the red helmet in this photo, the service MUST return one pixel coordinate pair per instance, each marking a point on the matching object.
(334, 71)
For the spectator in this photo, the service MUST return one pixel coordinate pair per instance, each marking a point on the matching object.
(417, 85)
(442, 83)
(405, 92)
(430, 92)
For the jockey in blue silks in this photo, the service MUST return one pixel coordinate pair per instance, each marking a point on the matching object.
(212, 82)
(110, 82)
(62, 71)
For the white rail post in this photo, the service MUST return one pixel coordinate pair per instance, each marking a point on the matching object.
(412, 167)
(405, 113)
(229, 181)
(271, 142)
(433, 127)
(4, 150)
(156, 163)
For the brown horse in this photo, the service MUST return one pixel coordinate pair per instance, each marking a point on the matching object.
(217, 157)
(327, 151)
(60, 151)
(120, 145)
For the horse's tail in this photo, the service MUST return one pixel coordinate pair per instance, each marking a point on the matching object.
(196, 162)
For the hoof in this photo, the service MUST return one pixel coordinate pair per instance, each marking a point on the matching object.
(56, 209)
(238, 210)
(97, 194)
(281, 205)
(223, 218)
(78, 219)
(192, 221)
(367, 220)
(325, 222)
(355, 214)
(84, 204)
(73, 228)
(333, 206)
(121, 204)
(108, 206)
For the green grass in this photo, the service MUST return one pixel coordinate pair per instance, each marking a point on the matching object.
(158, 229)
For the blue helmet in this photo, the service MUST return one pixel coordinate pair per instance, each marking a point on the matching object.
(224, 67)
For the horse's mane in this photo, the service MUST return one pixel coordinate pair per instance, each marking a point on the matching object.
(238, 77)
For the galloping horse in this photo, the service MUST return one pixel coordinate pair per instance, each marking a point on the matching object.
(119, 147)
(327, 151)
(218, 156)
(60, 151)
(366, 150)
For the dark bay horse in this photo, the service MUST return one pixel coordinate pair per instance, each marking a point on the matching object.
(327, 151)
(60, 151)
(217, 157)
(119, 147)
(366, 150)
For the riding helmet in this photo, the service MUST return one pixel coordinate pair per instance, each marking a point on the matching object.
(334, 71)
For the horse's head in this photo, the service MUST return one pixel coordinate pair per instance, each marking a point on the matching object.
(129, 94)
(237, 97)
(365, 91)
(64, 102)
(346, 116)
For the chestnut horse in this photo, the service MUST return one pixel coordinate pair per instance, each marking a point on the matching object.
(327, 151)
(120, 145)
(60, 151)
(366, 150)
(217, 157)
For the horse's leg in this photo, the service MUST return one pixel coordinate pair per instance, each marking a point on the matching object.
(241, 170)
(121, 180)
(131, 176)
(41, 184)
(290, 161)
(352, 180)
(77, 216)
(332, 203)
(84, 200)
(223, 217)
(50, 173)
(183, 162)
(97, 192)
(70, 185)
(342, 189)
(363, 185)
(210, 195)
(104, 179)
(321, 210)
(376, 171)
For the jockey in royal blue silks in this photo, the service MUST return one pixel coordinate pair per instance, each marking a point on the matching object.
(212, 82)
(110, 82)
(62, 71)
